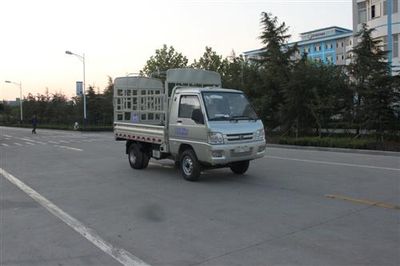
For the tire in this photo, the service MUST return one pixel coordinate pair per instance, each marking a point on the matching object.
(189, 166)
(146, 159)
(240, 167)
(137, 159)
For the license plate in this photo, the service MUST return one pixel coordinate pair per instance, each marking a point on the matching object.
(242, 149)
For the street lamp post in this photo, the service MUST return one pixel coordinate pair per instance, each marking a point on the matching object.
(20, 95)
(82, 58)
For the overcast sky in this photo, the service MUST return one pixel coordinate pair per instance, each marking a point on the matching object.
(119, 36)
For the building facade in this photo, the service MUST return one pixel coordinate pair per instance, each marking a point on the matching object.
(328, 45)
(384, 17)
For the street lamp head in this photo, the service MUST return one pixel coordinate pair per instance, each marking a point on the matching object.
(68, 52)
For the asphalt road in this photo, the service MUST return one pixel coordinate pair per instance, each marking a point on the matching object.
(293, 207)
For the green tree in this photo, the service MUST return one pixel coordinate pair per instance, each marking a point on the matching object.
(94, 108)
(276, 65)
(107, 103)
(210, 61)
(164, 59)
(374, 87)
(314, 95)
(6, 113)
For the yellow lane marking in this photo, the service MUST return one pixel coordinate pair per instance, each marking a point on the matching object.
(365, 202)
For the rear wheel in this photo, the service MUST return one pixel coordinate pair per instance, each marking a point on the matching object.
(240, 167)
(190, 166)
(137, 158)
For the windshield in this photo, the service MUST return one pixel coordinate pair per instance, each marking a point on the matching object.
(228, 106)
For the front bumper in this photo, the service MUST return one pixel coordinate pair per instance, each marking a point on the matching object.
(228, 153)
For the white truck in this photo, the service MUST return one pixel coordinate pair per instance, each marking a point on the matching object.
(191, 120)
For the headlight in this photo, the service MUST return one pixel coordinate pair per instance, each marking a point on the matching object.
(259, 134)
(215, 138)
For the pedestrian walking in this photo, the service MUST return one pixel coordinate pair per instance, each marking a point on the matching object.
(34, 124)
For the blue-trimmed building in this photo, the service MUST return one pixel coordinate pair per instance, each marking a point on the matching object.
(329, 45)
(333, 45)
(384, 17)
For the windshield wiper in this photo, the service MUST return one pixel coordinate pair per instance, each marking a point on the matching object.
(219, 118)
(243, 117)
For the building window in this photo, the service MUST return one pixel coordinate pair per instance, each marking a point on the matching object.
(395, 7)
(384, 45)
(362, 12)
(395, 45)
(384, 12)
(375, 11)
(373, 14)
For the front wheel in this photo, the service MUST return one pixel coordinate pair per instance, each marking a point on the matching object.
(189, 166)
(240, 167)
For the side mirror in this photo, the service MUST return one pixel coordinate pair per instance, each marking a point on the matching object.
(197, 116)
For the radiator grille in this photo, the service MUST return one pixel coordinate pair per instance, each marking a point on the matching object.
(239, 137)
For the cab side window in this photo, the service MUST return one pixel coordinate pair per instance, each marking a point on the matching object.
(187, 104)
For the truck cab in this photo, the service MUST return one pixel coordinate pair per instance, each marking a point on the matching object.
(218, 124)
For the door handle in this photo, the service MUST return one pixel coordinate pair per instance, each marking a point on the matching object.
(179, 121)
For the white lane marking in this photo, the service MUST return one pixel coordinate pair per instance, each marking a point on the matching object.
(121, 255)
(5, 145)
(68, 148)
(333, 163)
(7, 136)
(26, 139)
(53, 142)
(18, 144)
(29, 143)
(40, 142)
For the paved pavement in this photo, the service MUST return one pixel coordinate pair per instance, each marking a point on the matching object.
(71, 198)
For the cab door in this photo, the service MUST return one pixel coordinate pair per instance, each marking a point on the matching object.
(183, 129)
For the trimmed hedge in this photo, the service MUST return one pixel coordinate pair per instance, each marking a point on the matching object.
(67, 127)
(340, 142)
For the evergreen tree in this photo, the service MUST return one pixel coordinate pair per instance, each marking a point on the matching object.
(276, 64)
(374, 87)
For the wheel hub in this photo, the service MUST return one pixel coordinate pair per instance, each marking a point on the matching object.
(132, 157)
(187, 166)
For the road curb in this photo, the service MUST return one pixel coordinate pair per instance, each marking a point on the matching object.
(313, 148)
